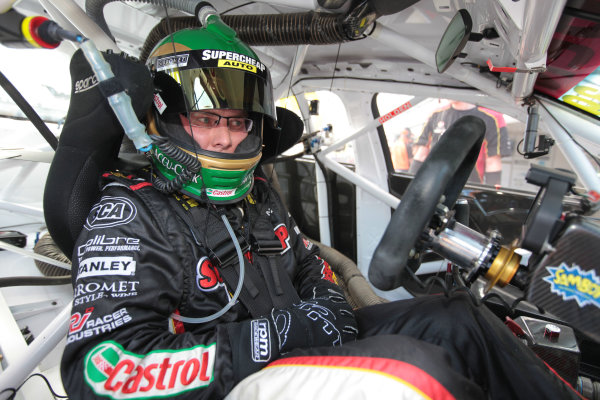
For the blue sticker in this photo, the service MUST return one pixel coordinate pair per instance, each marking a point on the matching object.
(572, 283)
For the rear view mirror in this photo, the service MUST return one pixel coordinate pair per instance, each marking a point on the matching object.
(453, 40)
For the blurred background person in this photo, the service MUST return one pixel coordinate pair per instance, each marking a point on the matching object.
(402, 151)
(495, 144)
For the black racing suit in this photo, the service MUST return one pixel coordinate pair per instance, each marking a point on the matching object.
(136, 262)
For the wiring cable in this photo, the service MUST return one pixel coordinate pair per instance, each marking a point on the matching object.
(236, 7)
(460, 286)
(593, 157)
(15, 390)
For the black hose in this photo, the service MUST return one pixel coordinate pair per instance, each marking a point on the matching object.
(288, 29)
(256, 30)
(29, 111)
(35, 280)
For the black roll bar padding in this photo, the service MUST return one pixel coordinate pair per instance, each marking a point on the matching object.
(444, 172)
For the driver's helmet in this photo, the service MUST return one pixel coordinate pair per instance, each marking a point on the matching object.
(206, 69)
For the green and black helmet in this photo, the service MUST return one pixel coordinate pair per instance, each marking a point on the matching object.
(201, 70)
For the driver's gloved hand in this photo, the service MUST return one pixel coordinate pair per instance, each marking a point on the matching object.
(323, 321)
(89, 144)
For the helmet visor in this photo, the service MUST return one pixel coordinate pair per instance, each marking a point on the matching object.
(215, 79)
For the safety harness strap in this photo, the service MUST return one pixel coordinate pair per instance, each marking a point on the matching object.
(269, 251)
(224, 256)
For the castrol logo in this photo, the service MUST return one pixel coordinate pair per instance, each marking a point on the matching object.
(112, 371)
(220, 192)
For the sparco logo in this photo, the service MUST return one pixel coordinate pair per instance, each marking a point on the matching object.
(111, 211)
(85, 84)
(119, 374)
(261, 341)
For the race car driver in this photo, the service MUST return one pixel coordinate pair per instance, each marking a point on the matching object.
(190, 276)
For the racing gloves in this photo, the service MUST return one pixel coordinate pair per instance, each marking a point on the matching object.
(322, 321)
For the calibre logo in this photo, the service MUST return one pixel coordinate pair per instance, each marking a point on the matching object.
(101, 266)
(119, 374)
(573, 283)
(102, 243)
(261, 340)
(111, 211)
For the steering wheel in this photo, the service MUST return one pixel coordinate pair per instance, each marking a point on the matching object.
(444, 172)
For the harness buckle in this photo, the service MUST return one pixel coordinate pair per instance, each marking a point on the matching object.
(225, 254)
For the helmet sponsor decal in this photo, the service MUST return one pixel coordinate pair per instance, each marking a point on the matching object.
(111, 371)
(220, 192)
(90, 291)
(208, 58)
(236, 64)
(573, 283)
(261, 340)
(159, 103)
(231, 57)
(111, 211)
(167, 162)
(85, 325)
(177, 61)
(102, 266)
(104, 243)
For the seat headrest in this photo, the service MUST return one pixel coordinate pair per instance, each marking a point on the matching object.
(284, 136)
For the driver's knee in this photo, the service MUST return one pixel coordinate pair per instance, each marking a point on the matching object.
(422, 316)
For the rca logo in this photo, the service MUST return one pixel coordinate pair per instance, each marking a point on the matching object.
(111, 211)
(119, 374)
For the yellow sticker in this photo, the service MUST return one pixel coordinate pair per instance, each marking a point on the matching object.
(236, 64)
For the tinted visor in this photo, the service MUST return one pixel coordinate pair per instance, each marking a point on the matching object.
(213, 79)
